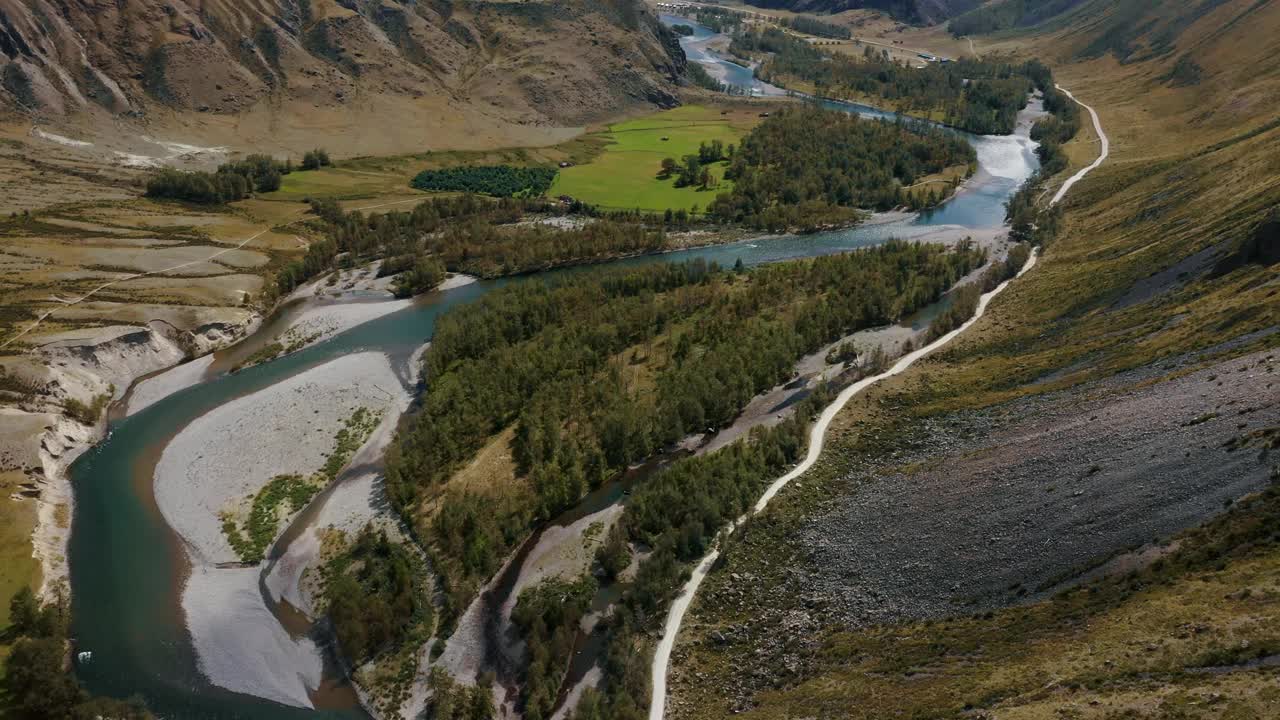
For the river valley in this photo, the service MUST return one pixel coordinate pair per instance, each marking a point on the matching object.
(200, 639)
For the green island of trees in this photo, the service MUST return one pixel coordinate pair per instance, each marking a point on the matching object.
(808, 167)
(547, 617)
(374, 592)
(597, 372)
(495, 180)
(694, 169)
(979, 95)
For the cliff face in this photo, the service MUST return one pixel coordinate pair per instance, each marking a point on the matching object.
(558, 61)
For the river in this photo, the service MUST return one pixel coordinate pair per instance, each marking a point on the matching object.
(127, 567)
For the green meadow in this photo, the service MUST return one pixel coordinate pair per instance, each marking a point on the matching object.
(624, 175)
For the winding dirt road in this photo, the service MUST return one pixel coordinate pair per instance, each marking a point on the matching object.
(817, 436)
(1102, 156)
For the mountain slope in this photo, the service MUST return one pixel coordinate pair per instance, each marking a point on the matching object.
(560, 63)
(1117, 396)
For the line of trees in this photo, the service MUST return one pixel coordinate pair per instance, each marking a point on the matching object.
(699, 76)
(495, 180)
(678, 513)
(1029, 219)
(806, 167)
(964, 300)
(811, 25)
(232, 181)
(1062, 124)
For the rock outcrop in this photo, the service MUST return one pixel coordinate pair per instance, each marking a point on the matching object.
(73, 375)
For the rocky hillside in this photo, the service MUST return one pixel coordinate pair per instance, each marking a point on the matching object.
(561, 62)
(921, 12)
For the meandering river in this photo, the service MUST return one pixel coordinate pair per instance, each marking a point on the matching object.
(127, 566)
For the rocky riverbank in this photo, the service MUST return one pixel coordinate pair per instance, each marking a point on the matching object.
(73, 376)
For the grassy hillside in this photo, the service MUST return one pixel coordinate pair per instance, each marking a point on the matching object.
(1122, 391)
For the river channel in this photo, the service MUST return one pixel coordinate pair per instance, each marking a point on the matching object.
(128, 566)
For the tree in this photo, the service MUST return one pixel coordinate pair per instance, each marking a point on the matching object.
(615, 554)
(689, 171)
(315, 159)
(669, 167)
(24, 612)
(35, 681)
(268, 181)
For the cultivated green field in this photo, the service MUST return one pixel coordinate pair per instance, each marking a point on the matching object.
(624, 176)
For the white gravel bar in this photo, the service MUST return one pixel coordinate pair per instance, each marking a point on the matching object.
(240, 645)
(154, 389)
(230, 453)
